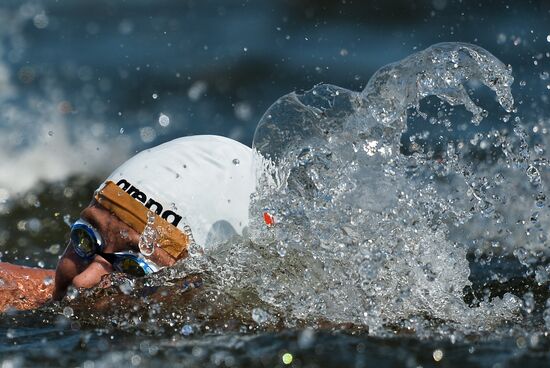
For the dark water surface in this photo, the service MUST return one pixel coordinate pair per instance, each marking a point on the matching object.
(53, 347)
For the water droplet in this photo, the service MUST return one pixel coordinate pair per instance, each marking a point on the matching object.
(236, 162)
(541, 275)
(534, 217)
(164, 120)
(147, 134)
(533, 174)
(260, 316)
(540, 200)
(548, 38)
(48, 280)
(124, 234)
(22, 225)
(68, 312)
(149, 236)
(34, 225)
(41, 20)
(528, 302)
(281, 249)
(127, 286)
(287, 358)
(243, 111)
(306, 338)
(186, 330)
(437, 355)
(53, 249)
(135, 360)
(72, 293)
(50, 133)
(4, 195)
(121, 131)
(126, 27)
(521, 342)
(197, 90)
(155, 96)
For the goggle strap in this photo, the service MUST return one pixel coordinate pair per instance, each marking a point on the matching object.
(135, 214)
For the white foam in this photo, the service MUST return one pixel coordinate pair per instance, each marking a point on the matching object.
(40, 139)
(55, 156)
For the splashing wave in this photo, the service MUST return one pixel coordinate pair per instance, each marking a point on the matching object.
(367, 231)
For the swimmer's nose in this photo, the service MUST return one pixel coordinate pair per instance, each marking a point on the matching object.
(92, 275)
(68, 267)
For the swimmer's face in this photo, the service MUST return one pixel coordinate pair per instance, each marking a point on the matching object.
(117, 237)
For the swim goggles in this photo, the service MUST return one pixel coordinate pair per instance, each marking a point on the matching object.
(87, 242)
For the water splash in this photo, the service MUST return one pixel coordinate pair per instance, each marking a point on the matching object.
(441, 70)
(364, 232)
(149, 236)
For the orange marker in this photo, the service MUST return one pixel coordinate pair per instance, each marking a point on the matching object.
(269, 219)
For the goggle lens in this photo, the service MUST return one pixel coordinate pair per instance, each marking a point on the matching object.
(130, 266)
(83, 243)
(87, 242)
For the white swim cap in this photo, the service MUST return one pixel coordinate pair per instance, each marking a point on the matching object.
(197, 183)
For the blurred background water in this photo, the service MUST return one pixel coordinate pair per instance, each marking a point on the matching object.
(85, 84)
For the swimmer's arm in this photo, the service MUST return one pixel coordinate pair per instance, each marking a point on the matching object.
(24, 288)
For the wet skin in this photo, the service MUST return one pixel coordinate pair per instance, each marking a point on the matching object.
(28, 288)
(117, 237)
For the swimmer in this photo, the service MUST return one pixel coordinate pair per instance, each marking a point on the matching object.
(148, 212)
